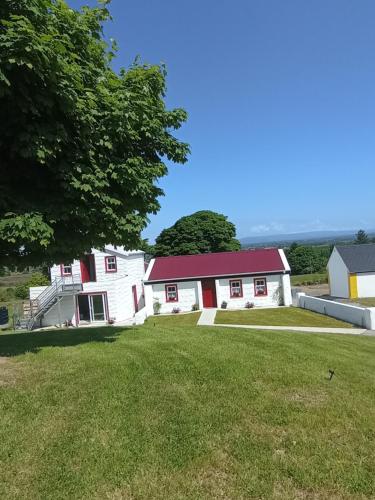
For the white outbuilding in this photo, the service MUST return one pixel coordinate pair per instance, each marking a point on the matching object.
(351, 271)
(259, 277)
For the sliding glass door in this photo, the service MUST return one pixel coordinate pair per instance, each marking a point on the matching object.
(92, 307)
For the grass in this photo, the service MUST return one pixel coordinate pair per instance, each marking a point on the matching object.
(367, 301)
(186, 412)
(283, 316)
(309, 279)
(189, 319)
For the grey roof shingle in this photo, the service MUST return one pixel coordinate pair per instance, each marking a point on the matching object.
(358, 258)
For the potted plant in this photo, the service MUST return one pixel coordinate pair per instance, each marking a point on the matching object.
(176, 310)
(195, 307)
(224, 304)
(249, 305)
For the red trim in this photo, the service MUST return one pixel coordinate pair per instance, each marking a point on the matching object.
(255, 290)
(230, 288)
(107, 270)
(62, 269)
(135, 297)
(166, 294)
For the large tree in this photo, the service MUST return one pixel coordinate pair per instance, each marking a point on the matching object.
(361, 237)
(81, 146)
(201, 232)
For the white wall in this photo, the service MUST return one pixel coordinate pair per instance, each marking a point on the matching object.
(118, 287)
(366, 284)
(67, 308)
(187, 296)
(360, 316)
(35, 291)
(274, 282)
(338, 276)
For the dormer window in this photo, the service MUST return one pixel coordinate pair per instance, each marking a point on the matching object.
(110, 264)
(66, 269)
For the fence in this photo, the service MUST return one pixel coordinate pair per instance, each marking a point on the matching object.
(361, 316)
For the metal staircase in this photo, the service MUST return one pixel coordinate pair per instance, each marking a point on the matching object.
(59, 288)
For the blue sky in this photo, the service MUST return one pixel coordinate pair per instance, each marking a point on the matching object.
(281, 104)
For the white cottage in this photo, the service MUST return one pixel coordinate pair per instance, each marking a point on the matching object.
(103, 286)
(351, 271)
(260, 277)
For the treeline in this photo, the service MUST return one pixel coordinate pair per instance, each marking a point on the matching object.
(308, 259)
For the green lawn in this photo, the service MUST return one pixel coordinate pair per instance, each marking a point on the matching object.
(309, 279)
(167, 412)
(283, 316)
(189, 319)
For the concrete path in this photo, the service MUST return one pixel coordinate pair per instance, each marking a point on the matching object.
(309, 329)
(207, 318)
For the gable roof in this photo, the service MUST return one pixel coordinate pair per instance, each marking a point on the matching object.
(358, 258)
(258, 261)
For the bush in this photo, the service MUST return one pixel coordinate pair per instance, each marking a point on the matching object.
(37, 279)
(157, 307)
(249, 305)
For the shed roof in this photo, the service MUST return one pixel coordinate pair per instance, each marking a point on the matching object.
(258, 261)
(358, 258)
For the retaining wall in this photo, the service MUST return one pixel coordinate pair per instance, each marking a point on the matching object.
(361, 316)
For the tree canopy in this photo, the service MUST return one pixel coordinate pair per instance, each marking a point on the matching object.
(201, 232)
(81, 146)
(306, 260)
(361, 237)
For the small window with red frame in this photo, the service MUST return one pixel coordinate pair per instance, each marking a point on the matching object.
(260, 287)
(235, 289)
(111, 264)
(171, 293)
(66, 269)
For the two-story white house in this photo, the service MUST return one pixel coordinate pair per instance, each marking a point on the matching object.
(103, 286)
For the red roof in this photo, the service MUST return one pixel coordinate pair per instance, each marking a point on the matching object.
(258, 261)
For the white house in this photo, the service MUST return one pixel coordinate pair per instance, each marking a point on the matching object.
(351, 271)
(102, 286)
(260, 276)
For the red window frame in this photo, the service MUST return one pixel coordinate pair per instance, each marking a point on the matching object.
(62, 266)
(240, 295)
(257, 294)
(107, 270)
(166, 292)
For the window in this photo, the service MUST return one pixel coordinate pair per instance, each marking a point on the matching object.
(66, 269)
(235, 288)
(171, 293)
(260, 287)
(110, 265)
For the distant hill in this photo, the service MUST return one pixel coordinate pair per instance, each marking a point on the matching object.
(308, 238)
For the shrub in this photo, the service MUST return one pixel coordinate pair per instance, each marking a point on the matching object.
(224, 304)
(37, 279)
(249, 305)
(156, 306)
(195, 307)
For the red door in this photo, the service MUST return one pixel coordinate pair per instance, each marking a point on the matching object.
(88, 272)
(135, 298)
(209, 293)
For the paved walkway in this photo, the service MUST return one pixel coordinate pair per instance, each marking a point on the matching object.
(310, 329)
(207, 318)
